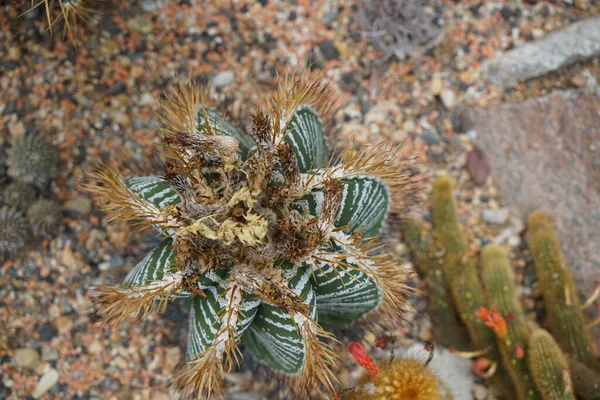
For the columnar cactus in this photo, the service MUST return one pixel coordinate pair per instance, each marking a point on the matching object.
(549, 367)
(498, 280)
(565, 317)
(586, 382)
(266, 238)
(458, 268)
(446, 326)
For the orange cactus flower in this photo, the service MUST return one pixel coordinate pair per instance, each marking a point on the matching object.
(360, 355)
(494, 320)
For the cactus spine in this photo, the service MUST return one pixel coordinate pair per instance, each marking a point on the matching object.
(498, 280)
(460, 271)
(444, 318)
(549, 367)
(565, 317)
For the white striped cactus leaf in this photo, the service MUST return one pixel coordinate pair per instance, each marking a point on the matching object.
(270, 243)
(153, 189)
(364, 206)
(305, 135)
(209, 316)
(274, 336)
(154, 266)
(344, 295)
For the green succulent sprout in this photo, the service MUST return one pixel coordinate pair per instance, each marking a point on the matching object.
(32, 160)
(45, 217)
(13, 232)
(267, 238)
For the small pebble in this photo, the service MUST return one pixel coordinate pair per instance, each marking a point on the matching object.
(46, 382)
(27, 357)
(448, 98)
(495, 217)
(436, 84)
(81, 205)
(49, 353)
(223, 79)
(141, 24)
(431, 137)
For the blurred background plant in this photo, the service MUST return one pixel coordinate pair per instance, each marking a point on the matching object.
(402, 28)
(27, 213)
(70, 13)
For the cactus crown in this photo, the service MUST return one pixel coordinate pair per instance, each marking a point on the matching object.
(265, 236)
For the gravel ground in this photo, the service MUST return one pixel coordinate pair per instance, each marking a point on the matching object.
(98, 101)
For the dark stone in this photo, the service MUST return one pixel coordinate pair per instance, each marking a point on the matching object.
(47, 331)
(430, 137)
(328, 49)
(477, 166)
(117, 89)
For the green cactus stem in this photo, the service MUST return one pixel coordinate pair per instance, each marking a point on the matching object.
(447, 328)
(586, 382)
(563, 309)
(549, 367)
(498, 280)
(458, 268)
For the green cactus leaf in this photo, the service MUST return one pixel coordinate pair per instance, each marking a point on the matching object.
(222, 125)
(206, 314)
(344, 294)
(153, 189)
(305, 134)
(161, 260)
(274, 337)
(365, 202)
(153, 266)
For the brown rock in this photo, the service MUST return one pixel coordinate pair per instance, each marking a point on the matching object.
(545, 153)
(477, 166)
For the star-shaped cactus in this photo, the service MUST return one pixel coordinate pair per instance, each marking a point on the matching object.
(267, 238)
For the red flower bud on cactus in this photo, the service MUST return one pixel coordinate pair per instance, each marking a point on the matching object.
(360, 355)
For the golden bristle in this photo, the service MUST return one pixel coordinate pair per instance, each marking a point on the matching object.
(202, 377)
(379, 161)
(367, 258)
(294, 91)
(320, 358)
(205, 373)
(72, 12)
(117, 303)
(113, 196)
(179, 112)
